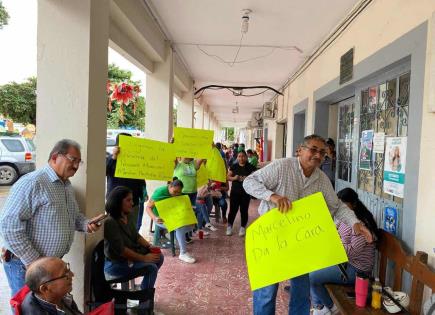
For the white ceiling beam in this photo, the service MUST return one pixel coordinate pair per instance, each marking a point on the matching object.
(125, 47)
(181, 76)
(133, 20)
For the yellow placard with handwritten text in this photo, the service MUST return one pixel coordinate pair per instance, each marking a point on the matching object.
(176, 212)
(144, 159)
(283, 246)
(193, 143)
(201, 176)
(216, 167)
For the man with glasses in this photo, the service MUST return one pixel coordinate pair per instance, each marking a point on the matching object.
(277, 185)
(41, 214)
(50, 282)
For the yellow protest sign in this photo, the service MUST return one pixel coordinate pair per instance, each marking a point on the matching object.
(216, 167)
(144, 159)
(201, 176)
(176, 212)
(282, 246)
(193, 143)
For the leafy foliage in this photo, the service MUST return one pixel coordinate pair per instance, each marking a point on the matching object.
(4, 16)
(127, 112)
(18, 101)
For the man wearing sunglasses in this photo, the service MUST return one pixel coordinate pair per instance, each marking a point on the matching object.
(41, 214)
(277, 185)
(50, 282)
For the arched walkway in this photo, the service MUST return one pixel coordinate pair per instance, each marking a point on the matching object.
(216, 284)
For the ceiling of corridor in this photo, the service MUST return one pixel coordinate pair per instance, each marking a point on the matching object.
(207, 33)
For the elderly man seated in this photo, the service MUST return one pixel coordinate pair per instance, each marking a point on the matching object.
(50, 282)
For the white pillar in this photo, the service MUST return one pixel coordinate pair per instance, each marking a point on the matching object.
(185, 110)
(160, 99)
(159, 107)
(206, 117)
(71, 103)
(199, 122)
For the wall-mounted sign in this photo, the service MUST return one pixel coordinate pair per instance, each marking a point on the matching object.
(379, 142)
(390, 220)
(365, 155)
(394, 166)
(346, 67)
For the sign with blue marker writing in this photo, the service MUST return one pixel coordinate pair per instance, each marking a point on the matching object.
(281, 246)
(394, 166)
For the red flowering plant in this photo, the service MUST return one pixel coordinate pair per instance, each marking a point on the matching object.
(125, 106)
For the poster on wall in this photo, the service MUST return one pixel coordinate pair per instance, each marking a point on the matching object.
(390, 220)
(394, 166)
(379, 142)
(365, 155)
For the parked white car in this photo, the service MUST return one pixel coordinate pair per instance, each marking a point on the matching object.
(17, 157)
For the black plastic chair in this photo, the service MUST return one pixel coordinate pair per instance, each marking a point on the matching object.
(103, 290)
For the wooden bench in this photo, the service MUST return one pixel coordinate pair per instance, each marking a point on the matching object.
(390, 249)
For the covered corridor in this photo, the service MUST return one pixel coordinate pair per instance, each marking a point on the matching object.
(340, 69)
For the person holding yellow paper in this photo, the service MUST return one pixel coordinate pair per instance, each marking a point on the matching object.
(277, 185)
(173, 189)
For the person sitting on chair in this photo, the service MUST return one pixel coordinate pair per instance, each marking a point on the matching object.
(127, 252)
(361, 255)
(50, 282)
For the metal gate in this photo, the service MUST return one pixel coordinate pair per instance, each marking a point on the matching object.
(381, 106)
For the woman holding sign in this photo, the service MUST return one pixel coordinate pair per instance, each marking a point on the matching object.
(173, 189)
(361, 256)
(126, 251)
(238, 196)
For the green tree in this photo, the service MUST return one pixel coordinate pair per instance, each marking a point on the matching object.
(229, 131)
(120, 115)
(4, 16)
(18, 101)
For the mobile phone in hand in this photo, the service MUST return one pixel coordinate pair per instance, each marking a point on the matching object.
(98, 220)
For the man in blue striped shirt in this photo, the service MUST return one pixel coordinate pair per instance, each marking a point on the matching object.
(41, 213)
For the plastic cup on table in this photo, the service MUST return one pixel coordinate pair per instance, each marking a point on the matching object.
(361, 291)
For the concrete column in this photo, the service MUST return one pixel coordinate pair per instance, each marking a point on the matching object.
(206, 117)
(160, 99)
(159, 109)
(71, 103)
(199, 122)
(185, 110)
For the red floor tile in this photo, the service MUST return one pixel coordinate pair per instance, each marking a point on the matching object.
(216, 284)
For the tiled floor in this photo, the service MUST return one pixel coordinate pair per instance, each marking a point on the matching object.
(216, 284)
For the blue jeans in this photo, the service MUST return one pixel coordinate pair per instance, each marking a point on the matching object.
(116, 269)
(299, 304)
(15, 272)
(319, 294)
(180, 234)
(202, 215)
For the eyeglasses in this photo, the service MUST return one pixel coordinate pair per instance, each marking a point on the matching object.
(73, 160)
(66, 275)
(314, 151)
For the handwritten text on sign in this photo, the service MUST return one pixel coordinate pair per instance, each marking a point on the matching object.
(176, 212)
(193, 143)
(144, 159)
(282, 246)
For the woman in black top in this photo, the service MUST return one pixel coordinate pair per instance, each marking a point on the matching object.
(238, 196)
(125, 250)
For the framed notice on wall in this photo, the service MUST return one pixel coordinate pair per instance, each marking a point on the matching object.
(346, 66)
